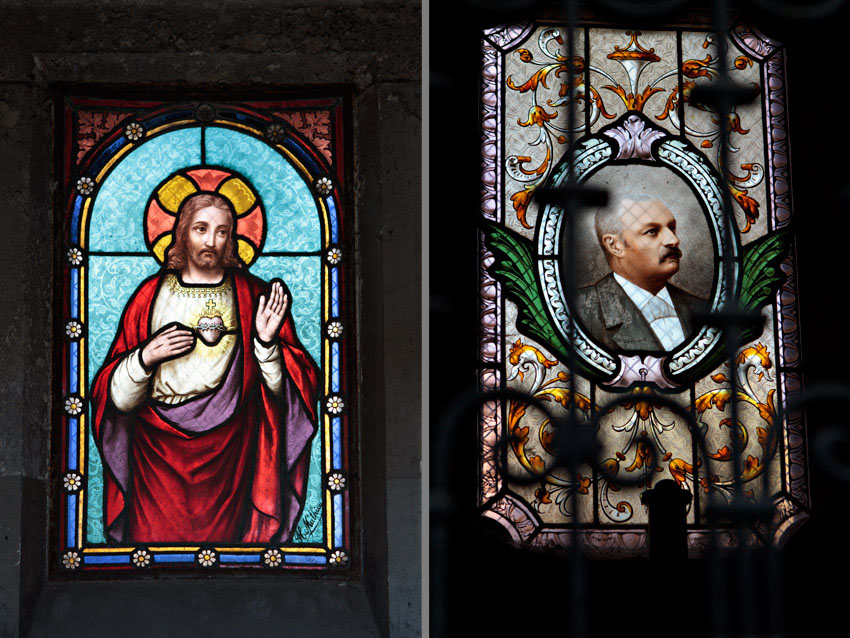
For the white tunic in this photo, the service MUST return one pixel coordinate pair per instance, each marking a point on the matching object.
(203, 368)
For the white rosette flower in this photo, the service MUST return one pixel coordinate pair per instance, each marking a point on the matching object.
(272, 558)
(335, 330)
(75, 256)
(134, 131)
(207, 557)
(338, 558)
(71, 560)
(275, 133)
(72, 481)
(85, 186)
(324, 186)
(334, 255)
(73, 405)
(141, 558)
(335, 404)
(336, 482)
(74, 330)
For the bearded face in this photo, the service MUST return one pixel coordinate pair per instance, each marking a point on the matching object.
(207, 237)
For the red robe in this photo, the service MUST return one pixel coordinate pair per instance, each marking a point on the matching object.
(242, 480)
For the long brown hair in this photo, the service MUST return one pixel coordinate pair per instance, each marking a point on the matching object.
(177, 254)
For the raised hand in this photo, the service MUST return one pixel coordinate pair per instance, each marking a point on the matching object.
(270, 313)
(168, 344)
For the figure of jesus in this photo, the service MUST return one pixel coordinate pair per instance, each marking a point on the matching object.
(206, 404)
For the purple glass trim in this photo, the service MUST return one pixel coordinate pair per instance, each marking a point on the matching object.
(779, 182)
(507, 36)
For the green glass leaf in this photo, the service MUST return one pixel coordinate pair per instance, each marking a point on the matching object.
(514, 267)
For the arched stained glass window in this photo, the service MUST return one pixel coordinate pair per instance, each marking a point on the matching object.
(625, 297)
(205, 381)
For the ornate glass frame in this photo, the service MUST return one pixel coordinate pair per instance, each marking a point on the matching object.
(305, 139)
(514, 243)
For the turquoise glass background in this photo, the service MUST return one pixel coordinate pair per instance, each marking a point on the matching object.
(292, 226)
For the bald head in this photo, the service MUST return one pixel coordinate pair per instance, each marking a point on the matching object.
(638, 235)
(609, 220)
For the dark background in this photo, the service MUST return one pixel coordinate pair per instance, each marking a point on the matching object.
(501, 589)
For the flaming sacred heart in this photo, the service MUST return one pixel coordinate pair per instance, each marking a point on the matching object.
(211, 327)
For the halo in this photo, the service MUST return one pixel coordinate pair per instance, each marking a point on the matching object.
(165, 202)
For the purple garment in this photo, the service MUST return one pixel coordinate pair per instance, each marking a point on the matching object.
(298, 430)
(202, 415)
(205, 413)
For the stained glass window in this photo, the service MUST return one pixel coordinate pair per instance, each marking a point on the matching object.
(205, 353)
(626, 298)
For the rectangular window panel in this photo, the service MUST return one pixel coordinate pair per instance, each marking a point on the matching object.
(205, 336)
(623, 297)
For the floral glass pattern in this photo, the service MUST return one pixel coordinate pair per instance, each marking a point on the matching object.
(278, 169)
(640, 136)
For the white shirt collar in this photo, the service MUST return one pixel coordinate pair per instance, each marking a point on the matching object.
(640, 296)
(658, 310)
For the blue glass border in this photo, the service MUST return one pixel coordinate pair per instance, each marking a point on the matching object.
(334, 292)
(173, 558)
(335, 381)
(75, 292)
(75, 219)
(71, 541)
(73, 449)
(73, 368)
(301, 559)
(239, 558)
(337, 504)
(336, 437)
(106, 559)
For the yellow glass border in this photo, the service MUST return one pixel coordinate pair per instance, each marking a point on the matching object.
(227, 124)
(83, 225)
(166, 127)
(113, 160)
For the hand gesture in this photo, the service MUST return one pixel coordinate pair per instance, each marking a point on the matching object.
(172, 342)
(270, 313)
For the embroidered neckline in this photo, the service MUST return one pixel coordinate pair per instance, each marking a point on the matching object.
(173, 283)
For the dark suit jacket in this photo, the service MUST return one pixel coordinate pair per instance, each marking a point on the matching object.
(612, 319)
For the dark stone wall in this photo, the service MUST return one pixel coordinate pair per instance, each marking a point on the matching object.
(217, 49)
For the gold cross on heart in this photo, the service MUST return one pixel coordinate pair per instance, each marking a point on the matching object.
(211, 326)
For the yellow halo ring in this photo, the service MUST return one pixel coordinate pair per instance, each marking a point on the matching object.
(235, 190)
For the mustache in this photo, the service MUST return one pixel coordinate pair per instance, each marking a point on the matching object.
(673, 252)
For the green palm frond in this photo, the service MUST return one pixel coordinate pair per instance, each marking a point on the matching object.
(514, 267)
(761, 274)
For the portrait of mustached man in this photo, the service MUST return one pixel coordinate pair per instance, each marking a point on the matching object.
(635, 307)
(206, 404)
